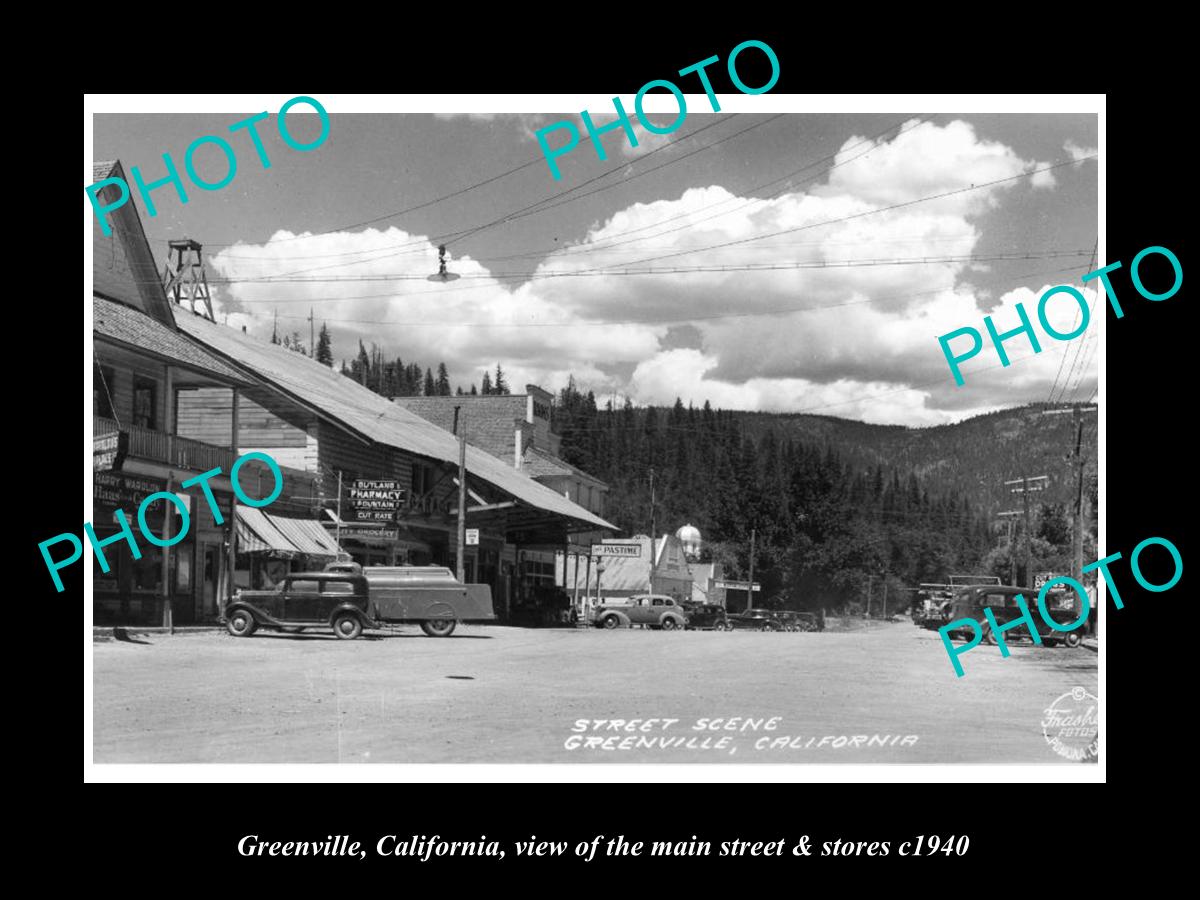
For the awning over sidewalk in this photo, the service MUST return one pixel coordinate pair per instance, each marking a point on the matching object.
(261, 532)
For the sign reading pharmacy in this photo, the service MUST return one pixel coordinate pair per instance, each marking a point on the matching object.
(376, 500)
(736, 585)
(631, 550)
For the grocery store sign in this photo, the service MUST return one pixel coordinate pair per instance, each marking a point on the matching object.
(736, 585)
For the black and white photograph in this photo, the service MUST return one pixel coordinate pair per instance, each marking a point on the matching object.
(490, 434)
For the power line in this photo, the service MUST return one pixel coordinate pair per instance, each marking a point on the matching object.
(673, 270)
(870, 212)
(687, 317)
(1078, 313)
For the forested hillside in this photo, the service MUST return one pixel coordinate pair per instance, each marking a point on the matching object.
(834, 505)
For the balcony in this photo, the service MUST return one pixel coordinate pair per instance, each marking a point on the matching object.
(173, 450)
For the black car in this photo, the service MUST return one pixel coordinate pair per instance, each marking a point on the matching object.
(705, 616)
(304, 600)
(755, 620)
(1002, 601)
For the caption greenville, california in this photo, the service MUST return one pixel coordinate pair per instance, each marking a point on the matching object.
(721, 734)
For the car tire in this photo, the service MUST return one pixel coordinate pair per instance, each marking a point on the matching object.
(669, 624)
(989, 637)
(1072, 640)
(240, 623)
(439, 627)
(611, 622)
(347, 626)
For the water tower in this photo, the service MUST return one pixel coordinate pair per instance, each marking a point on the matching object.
(689, 536)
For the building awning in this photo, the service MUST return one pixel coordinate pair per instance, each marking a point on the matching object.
(261, 532)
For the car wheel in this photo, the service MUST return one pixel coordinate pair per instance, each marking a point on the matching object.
(240, 623)
(439, 627)
(989, 637)
(611, 622)
(347, 626)
(1072, 640)
(669, 624)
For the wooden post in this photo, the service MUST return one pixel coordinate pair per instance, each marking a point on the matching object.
(460, 426)
(168, 619)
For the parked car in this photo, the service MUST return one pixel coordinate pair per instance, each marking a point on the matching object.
(705, 616)
(304, 600)
(971, 602)
(755, 620)
(654, 610)
(807, 621)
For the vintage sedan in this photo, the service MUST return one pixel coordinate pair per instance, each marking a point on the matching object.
(755, 620)
(304, 600)
(705, 616)
(653, 610)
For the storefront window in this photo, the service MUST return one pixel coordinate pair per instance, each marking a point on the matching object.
(147, 573)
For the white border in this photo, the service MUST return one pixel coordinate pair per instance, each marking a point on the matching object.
(577, 772)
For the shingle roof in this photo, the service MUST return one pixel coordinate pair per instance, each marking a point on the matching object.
(371, 415)
(133, 327)
(542, 465)
(102, 170)
(491, 419)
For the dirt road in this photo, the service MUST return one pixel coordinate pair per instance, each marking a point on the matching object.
(509, 695)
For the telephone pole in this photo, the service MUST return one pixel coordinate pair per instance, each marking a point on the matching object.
(653, 520)
(1028, 484)
(1078, 464)
(750, 580)
(1011, 517)
(460, 428)
(312, 341)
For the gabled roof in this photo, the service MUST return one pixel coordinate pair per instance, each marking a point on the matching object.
(370, 415)
(541, 463)
(134, 328)
(123, 266)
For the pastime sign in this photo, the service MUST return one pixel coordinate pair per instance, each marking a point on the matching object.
(736, 585)
(633, 551)
(375, 500)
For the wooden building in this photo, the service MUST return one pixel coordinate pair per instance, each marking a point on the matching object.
(141, 365)
(338, 433)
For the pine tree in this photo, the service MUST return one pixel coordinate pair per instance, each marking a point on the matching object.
(430, 385)
(486, 387)
(474, 391)
(443, 381)
(325, 347)
(501, 386)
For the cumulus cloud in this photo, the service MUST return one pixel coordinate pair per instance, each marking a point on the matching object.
(1077, 152)
(845, 329)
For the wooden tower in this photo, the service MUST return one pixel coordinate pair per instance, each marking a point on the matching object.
(184, 277)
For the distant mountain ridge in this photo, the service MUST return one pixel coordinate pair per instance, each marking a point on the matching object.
(975, 456)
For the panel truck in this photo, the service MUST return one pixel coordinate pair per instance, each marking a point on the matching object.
(349, 599)
(429, 596)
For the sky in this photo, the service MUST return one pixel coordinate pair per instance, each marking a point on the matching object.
(867, 270)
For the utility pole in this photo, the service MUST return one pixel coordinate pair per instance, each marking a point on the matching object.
(1011, 516)
(653, 520)
(312, 341)
(337, 536)
(870, 579)
(1076, 457)
(750, 580)
(1028, 484)
(460, 428)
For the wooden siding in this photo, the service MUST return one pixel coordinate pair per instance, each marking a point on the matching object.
(121, 366)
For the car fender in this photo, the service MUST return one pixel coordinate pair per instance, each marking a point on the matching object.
(367, 621)
(257, 614)
(679, 620)
(621, 617)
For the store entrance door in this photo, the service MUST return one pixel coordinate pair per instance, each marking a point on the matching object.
(210, 568)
